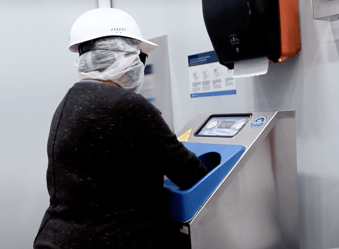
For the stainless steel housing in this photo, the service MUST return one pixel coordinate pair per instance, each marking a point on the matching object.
(255, 206)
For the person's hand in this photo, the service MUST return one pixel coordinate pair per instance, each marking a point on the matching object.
(165, 177)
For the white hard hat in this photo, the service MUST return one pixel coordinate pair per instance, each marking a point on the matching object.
(104, 22)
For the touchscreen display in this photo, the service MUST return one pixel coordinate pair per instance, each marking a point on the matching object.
(227, 126)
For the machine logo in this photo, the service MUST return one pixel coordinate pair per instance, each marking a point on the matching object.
(258, 122)
(234, 40)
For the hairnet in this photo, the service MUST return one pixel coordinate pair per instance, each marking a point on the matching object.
(116, 59)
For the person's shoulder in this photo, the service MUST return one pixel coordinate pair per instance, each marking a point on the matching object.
(135, 101)
(132, 98)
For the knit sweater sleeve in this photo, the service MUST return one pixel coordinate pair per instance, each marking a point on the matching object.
(150, 133)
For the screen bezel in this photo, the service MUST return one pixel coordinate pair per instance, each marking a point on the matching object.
(246, 115)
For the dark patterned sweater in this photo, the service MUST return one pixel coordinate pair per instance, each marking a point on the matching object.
(108, 152)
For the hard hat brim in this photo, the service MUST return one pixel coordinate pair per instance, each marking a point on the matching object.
(146, 46)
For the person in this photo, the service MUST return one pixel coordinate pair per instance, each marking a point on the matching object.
(109, 148)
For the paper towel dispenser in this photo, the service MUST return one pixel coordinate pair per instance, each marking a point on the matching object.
(248, 29)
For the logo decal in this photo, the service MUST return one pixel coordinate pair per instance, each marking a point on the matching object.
(258, 122)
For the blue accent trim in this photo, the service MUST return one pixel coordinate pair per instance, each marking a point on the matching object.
(151, 99)
(183, 204)
(203, 58)
(209, 94)
(90, 82)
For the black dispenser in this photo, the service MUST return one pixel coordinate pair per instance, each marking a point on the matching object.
(248, 29)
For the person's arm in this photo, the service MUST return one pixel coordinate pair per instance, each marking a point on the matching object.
(156, 139)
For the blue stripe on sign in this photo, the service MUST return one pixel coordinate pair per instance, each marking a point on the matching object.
(209, 94)
(203, 58)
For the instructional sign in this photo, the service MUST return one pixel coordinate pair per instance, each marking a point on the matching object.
(208, 77)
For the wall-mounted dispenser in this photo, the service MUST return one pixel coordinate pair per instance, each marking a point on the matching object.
(248, 29)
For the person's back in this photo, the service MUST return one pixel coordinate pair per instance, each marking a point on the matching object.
(108, 151)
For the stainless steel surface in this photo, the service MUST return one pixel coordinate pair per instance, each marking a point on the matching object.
(327, 10)
(255, 206)
(245, 137)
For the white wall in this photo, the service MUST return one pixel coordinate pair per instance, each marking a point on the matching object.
(36, 71)
(182, 21)
(307, 83)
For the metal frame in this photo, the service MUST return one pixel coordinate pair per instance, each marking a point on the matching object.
(255, 206)
(326, 10)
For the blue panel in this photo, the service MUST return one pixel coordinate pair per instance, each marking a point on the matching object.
(210, 94)
(185, 203)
